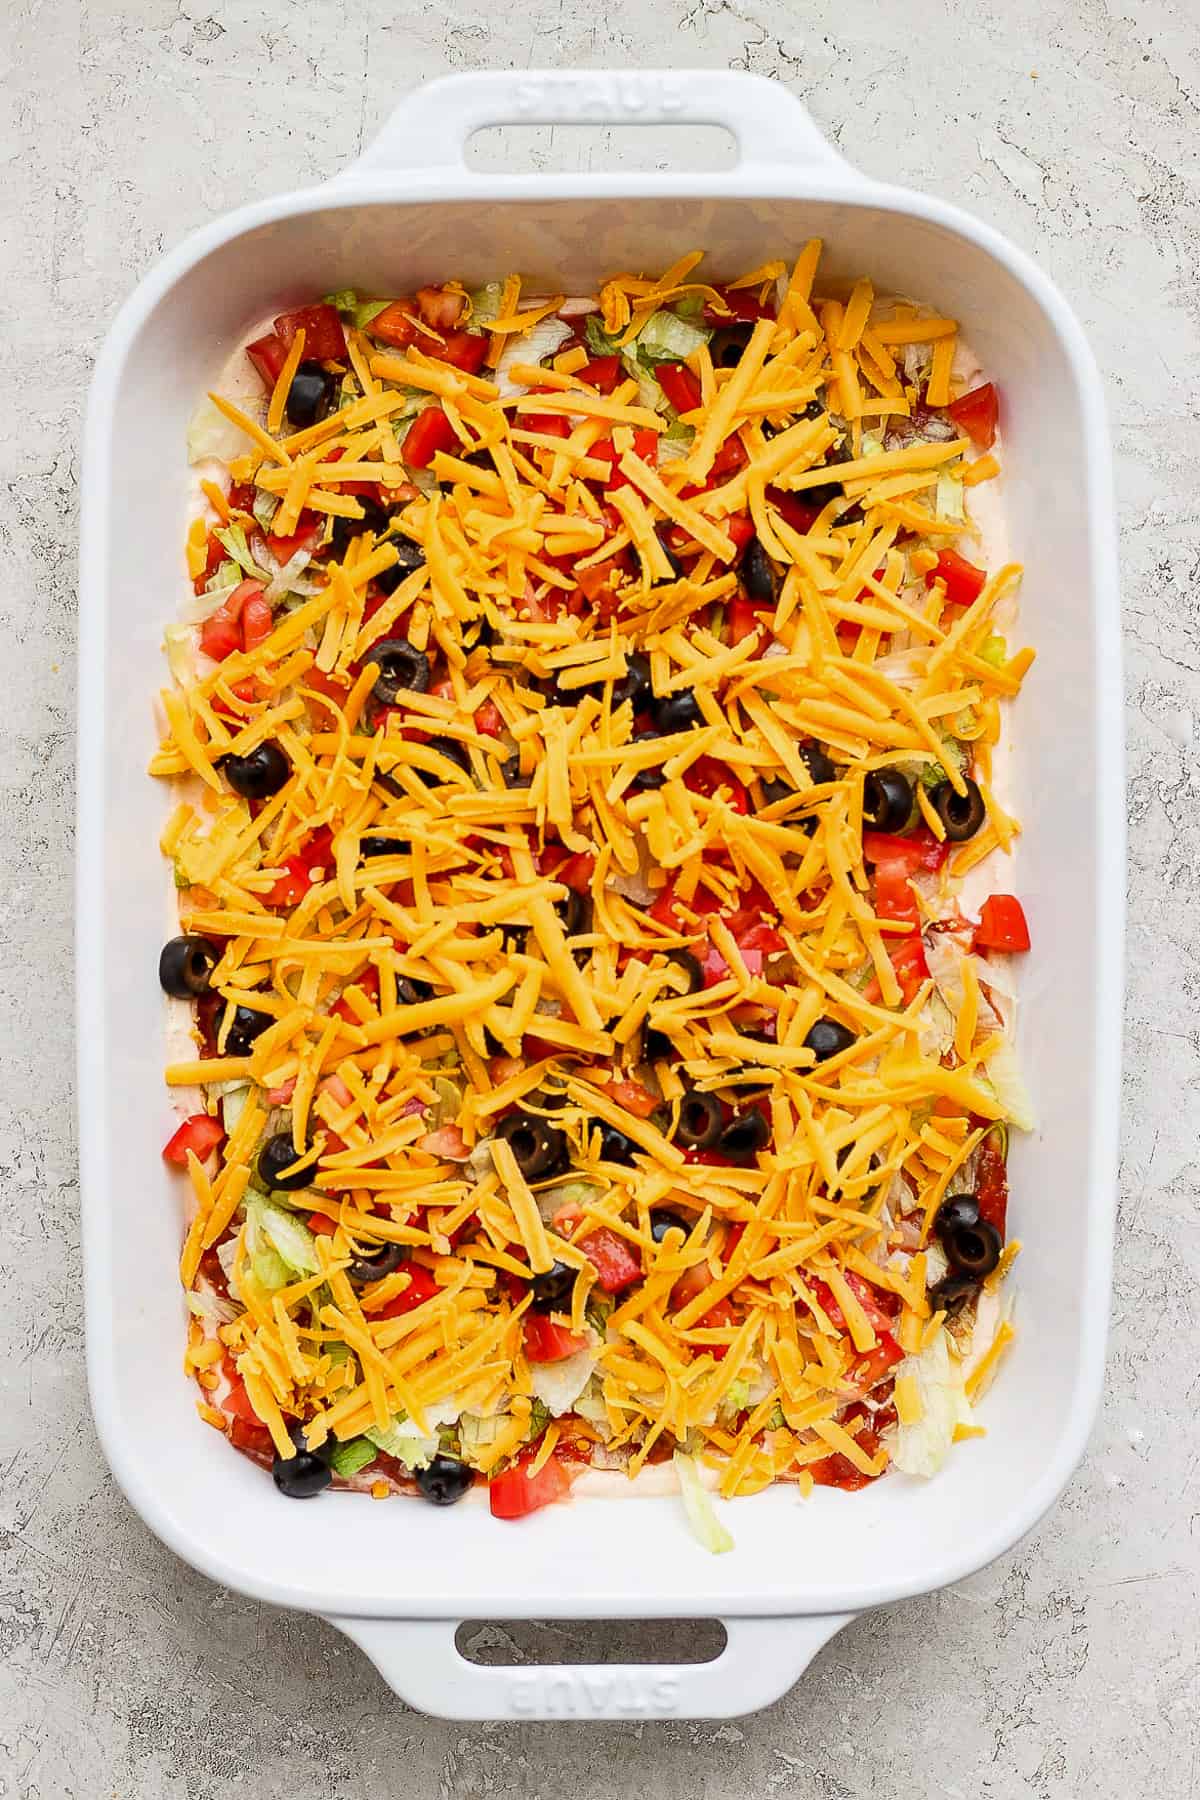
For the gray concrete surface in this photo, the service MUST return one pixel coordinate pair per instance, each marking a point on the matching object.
(1067, 1669)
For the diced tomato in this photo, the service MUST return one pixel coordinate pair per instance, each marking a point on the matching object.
(963, 581)
(429, 432)
(518, 1492)
(220, 634)
(733, 1238)
(447, 1141)
(323, 1226)
(760, 939)
(616, 1262)
(602, 373)
(977, 413)
(729, 459)
(421, 1287)
(329, 685)
(645, 446)
(742, 620)
(919, 850)
(1002, 924)
(908, 959)
(873, 1365)
(214, 557)
(546, 1342)
(839, 1472)
(633, 1098)
(794, 509)
(574, 868)
(440, 308)
(306, 538)
(268, 354)
(292, 886)
(707, 774)
(678, 383)
(256, 621)
(200, 1134)
(743, 303)
(991, 1181)
(488, 719)
(324, 339)
(463, 350)
(554, 425)
(397, 326)
(740, 527)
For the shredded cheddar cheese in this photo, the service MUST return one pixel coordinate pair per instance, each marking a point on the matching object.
(574, 846)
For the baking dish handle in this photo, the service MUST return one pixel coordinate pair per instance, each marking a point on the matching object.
(762, 1659)
(431, 126)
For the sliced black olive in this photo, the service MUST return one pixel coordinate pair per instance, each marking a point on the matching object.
(691, 968)
(445, 1480)
(246, 1025)
(663, 1221)
(634, 685)
(552, 1285)
(973, 1249)
(728, 343)
(745, 1135)
(675, 561)
(819, 765)
(258, 774)
(773, 791)
(827, 1038)
(701, 1117)
(184, 966)
(961, 814)
(510, 770)
(375, 1264)
(822, 495)
(656, 1045)
(757, 573)
(652, 777)
(453, 752)
(410, 991)
(374, 520)
(305, 1473)
(814, 410)
(539, 1147)
(409, 556)
(401, 665)
(676, 712)
(311, 395)
(949, 1294)
(614, 1145)
(276, 1158)
(958, 1212)
(887, 800)
(383, 846)
(575, 912)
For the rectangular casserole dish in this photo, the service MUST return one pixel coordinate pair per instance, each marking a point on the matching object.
(399, 1581)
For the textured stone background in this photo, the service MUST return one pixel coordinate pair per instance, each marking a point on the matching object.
(1067, 1669)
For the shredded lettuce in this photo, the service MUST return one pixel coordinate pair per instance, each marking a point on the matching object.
(179, 643)
(233, 1104)
(476, 1433)
(401, 1439)
(545, 340)
(558, 1385)
(359, 312)
(690, 308)
(265, 507)
(209, 1308)
(949, 501)
(697, 1504)
(922, 1448)
(283, 1232)
(667, 338)
(994, 650)
(598, 340)
(1004, 1073)
(210, 434)
(675, 443)
(590, 1403)
(485, 302)
(232, 538)
(355, 1454)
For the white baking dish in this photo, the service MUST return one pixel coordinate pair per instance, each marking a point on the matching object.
(397, 1577)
